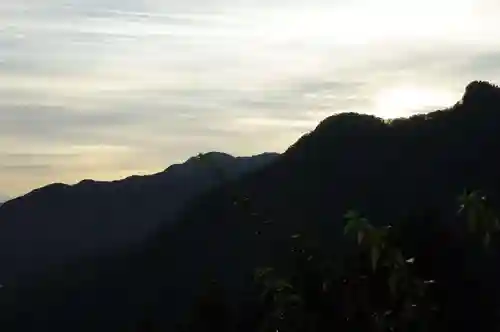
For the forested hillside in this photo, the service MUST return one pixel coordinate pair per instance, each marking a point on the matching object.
(59, 223)
(406, 173)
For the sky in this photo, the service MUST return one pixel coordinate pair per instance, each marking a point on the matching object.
(104, 89)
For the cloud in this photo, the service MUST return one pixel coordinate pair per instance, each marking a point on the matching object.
(102, 89)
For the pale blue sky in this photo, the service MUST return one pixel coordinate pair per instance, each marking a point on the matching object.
(104, 89)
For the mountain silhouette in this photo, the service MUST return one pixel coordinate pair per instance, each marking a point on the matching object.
(60, 222)
(403, 170)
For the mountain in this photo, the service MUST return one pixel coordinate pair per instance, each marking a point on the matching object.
(401, 171)
(61, 222)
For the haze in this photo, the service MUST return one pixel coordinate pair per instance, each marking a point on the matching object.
(109, 88)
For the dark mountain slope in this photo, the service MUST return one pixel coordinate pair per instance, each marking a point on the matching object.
(60, 222)
(405, 170)
(395, 171)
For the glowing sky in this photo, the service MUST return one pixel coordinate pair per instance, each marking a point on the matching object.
(107, 88)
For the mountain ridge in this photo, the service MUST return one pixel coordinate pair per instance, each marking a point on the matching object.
(92, 217)
(407, 170)
(61, 185)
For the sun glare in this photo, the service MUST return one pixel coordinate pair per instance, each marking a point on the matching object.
(405, 101)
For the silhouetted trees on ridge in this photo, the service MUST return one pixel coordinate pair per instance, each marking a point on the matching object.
(290, 216)
(406, 173)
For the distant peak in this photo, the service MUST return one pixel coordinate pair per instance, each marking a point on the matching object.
(55, 186)
(87, 182)
(480, 85)
(480, 92)
(50, 188)
(345, 123)
(212, 156)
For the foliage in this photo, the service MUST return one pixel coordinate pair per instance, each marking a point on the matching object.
(379, 288)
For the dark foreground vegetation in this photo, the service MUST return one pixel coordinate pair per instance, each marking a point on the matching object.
(434, 269)
(382, 281)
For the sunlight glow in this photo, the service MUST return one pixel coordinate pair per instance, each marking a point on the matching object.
(404, 101)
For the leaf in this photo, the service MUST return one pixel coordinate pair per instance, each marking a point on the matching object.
(375, 255)
(355, 222)
(361, 235)
(350, 226)
(352, 214)
(376, 237)
(410, 260)
(281, 285)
